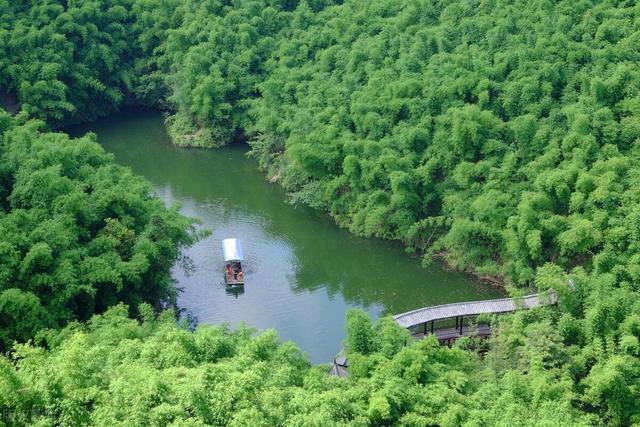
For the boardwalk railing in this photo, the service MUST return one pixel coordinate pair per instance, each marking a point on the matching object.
(474, 308)
(459, 310)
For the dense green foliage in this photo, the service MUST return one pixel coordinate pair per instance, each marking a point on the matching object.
(502, 135)
(116, 372)
(66, 61)
(79, 233)
(499, 134)
(77, 60)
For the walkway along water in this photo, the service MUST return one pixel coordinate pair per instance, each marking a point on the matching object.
(422, 322)
(302, 273)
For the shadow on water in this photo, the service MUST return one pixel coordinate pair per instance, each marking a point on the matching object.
(302, 272)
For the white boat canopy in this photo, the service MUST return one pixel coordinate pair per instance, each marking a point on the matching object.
(232, 250)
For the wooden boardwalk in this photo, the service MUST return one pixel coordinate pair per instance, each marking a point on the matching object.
(458, 311)
(450, 335)
(473, 308)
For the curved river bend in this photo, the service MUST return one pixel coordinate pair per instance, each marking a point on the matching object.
(302, 272)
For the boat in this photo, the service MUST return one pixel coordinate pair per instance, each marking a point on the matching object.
(233, 258)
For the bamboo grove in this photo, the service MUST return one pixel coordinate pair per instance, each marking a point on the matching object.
(502, 136)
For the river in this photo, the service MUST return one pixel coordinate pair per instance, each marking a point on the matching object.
(302, 272)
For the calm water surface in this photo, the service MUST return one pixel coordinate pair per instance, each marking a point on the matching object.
(302, 272)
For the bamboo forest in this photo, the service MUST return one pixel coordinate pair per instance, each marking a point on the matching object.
(377, 157)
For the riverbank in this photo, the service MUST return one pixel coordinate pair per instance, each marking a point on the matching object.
(303, 272)
(200, 139)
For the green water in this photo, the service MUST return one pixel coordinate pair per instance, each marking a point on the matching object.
(302, 272)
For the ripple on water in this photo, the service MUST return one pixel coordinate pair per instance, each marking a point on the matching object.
(302, 272)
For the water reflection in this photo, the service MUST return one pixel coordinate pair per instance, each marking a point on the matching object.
(302, 272)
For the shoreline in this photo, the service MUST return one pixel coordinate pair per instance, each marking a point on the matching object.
(442, 257)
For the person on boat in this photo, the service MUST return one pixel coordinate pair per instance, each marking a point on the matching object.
(240, 275)
(229, 271)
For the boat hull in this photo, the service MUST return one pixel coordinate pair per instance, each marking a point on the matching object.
(232, 282)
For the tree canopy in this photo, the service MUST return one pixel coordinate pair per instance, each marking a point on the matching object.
(116, 371)
(79, 233)
(502, 136)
